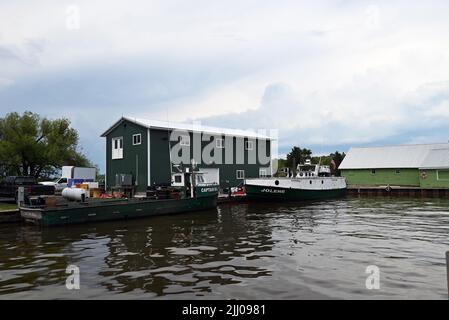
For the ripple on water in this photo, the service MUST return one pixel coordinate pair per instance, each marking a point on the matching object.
(244, 251)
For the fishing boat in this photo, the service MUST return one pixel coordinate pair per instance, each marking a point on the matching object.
(311, 182)
(163, 200)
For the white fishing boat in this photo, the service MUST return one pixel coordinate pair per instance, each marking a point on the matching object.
(309, 183)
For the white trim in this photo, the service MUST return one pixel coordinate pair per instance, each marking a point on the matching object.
(117, 153)
(438, 175)
(106, 166)
(221, 145)
(148, 159)
(137, 170)
(237, 174)
(140, 139)
(164, 125)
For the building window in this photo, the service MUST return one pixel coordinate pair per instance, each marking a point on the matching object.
(443, 175)
(398, 171)
(373, 172)
(117, 148)
(249, 145)
(240, 174)
(219, 143)
(137, 139)
(263, 173)
(185, 141)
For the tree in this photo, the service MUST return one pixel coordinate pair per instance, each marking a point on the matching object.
(338, 159)
(297, 156)
(36, 146)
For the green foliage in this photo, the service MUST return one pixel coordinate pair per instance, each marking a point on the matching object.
(297, 156)
(37, 146)
(338, 159)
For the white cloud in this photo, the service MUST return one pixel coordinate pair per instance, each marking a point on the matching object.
(323, 72)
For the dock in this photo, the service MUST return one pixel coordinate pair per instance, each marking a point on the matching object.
(397, 191)
(224, 198)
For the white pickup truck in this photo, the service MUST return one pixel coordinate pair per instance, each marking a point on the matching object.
(71, 173)
(59, 184)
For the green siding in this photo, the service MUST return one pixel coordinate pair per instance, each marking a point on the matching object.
(405, 177)
(430, 179)
(160, 158)
(228, 172)
(134, 157)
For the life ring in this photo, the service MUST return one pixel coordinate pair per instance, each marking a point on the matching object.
(424, 175)
(388, 188)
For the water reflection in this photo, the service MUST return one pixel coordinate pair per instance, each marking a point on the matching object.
(255, 250)
(163, 255)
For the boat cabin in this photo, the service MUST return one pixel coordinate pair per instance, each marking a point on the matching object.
(308, 169)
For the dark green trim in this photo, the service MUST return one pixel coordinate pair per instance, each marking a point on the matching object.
(281, 194)
(117, 210)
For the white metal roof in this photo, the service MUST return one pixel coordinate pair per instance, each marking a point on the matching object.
(403, 156)
(436, 158)
(196, 127)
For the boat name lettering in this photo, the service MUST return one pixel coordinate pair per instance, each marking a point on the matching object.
(267, 190)
(209, 189)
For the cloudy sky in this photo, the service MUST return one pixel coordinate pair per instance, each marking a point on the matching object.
(327, 74)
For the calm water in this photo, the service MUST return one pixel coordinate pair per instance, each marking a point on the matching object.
(263, 251)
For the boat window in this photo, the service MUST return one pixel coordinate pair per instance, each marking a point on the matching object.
(310, 181)
(322, 181)
(178, 178)
(240, 174)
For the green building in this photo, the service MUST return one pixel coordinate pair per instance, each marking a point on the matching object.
(151, 151)
(424, 165)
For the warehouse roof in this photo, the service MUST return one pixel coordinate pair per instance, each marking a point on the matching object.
(436, 159)
(403, 156)
(158, 124)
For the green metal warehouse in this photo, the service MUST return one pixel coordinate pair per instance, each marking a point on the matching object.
(423, 165)
(145, 149)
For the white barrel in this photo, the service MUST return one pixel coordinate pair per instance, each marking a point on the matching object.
(76, 194)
